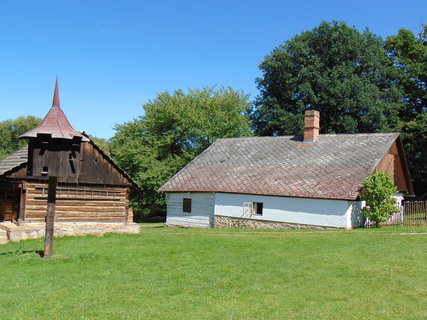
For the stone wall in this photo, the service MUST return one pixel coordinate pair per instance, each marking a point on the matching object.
(232, 222)
(37, 230)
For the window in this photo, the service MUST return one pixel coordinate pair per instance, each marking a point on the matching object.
(45, 171)
(258, 208)
(186, 205)
(252, 208)
(248, 207)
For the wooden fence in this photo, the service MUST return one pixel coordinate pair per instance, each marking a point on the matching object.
(415, 213)
(412, 213)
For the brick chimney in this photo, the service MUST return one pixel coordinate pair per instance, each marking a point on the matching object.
(311, 125)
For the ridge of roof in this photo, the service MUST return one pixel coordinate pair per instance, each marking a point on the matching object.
(320, 135)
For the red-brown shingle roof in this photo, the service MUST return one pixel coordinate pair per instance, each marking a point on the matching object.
(55, 123)
(332, 168)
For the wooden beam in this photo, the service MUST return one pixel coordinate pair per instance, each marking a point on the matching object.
(22, 202)
(50, 217)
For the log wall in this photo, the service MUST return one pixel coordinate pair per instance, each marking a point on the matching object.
(9, 200)
(78, 203)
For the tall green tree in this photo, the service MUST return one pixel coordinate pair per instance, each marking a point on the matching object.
(174, 129)
(335, 69)
(10, 130)
(409, 54)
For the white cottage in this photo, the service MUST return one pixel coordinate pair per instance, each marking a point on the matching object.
(313, 181)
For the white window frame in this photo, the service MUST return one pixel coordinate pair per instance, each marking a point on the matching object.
(250, 208)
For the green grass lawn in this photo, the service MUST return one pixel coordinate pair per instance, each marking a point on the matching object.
(168, 273)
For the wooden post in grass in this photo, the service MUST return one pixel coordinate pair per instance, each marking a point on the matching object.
(50, 217)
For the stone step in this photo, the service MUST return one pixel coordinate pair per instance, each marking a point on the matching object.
(3, 236)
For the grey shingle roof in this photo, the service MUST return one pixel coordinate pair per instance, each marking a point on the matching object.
(332, 168)
(14, 160)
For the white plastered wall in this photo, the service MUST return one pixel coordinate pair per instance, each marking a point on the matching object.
(321, 212)
(202, 209)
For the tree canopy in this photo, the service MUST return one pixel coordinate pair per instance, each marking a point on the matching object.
(335, 69)
(409, 55)
(174, 128)
(10, 130)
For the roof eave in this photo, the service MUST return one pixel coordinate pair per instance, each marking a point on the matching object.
(258, 194)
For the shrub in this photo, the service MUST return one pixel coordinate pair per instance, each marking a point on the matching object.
(378, 195)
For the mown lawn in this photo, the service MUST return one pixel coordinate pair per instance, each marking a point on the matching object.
(167, 273)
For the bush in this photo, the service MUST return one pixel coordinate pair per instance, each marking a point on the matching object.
(378, 195)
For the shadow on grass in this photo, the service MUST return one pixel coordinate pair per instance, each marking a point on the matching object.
(23, 252)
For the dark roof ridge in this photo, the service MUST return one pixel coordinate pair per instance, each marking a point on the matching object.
(322, 134)
(361, 134)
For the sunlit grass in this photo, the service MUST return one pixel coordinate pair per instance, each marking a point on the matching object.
(172, 273)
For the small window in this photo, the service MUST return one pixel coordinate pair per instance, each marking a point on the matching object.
(258, 208)
(186, 205)
(248, 207)
(252, 208)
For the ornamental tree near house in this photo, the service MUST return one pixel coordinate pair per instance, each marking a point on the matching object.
(378, 195)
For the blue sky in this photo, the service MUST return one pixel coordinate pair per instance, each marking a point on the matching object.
(112, 56)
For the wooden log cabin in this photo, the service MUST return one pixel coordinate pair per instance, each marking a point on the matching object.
(91, 187)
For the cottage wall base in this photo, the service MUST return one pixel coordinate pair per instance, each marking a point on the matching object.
(12, 232)
(232, 222)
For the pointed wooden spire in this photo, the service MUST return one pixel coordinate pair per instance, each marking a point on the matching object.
(55, 101)
(55, 123)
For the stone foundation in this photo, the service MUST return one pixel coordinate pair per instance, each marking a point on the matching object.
(233, 222)
(3, 236)
(25, 231)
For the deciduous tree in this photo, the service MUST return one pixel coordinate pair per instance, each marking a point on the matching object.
(174, 128)
(10, 130)
(335, 69)
(409, 55)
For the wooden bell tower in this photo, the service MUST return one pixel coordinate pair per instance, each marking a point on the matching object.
(54, 146)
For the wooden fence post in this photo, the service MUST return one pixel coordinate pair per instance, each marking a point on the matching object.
(50, 217)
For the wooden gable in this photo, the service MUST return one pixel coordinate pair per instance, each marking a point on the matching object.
(394, 163)
(83, 163)
(98, 168)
